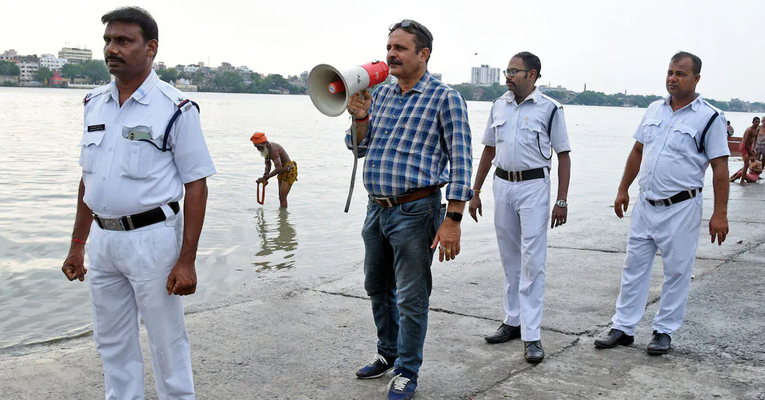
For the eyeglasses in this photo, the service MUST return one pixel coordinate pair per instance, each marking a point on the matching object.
(509, 73)
(408, 22)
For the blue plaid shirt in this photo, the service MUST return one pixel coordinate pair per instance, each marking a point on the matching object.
(412, 136)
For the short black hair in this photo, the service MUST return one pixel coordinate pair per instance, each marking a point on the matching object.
(422, 36)
(696, 60)
(135, 15)
(530, 61)
(753, 119)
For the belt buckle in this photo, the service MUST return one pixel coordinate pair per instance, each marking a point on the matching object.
(518, 176)
(112, 224)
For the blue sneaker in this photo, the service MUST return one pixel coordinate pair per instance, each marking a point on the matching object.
(377, 368)
(402, 386)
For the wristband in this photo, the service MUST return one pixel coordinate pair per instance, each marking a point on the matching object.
(78, 241)
(477, 191)
(362, 119)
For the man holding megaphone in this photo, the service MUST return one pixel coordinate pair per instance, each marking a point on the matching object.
(408, 132)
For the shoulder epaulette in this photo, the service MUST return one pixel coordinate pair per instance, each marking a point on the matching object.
(95, 93)
(556, 103)
(717, 110)
(175, 95)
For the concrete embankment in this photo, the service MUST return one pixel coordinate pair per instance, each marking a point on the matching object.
(304, 341)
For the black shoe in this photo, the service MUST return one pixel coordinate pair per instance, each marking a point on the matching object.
(377, 368)
(614, 338)
(659, 344)
(534, 352)
(504, 333)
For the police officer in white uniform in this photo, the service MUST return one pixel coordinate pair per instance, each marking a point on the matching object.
(524, 128)
(142, 248)
(675, 142)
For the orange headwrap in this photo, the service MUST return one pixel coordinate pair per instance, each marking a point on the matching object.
(258, 138)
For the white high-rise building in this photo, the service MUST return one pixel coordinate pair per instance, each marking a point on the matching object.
(75, 55)
(52, 62)
(484, 75)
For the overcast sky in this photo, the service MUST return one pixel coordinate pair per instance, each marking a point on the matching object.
(611, 45)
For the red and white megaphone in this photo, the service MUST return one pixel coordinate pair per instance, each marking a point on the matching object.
(330, 89)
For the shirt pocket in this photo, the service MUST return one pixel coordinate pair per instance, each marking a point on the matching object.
(139, 153)
(88, 154)
(650, 129)
(683, 138)
(498, 126)
(530, 133)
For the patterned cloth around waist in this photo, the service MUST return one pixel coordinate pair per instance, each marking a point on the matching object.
(291, 174)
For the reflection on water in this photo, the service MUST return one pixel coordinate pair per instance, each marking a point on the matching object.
(278, 241)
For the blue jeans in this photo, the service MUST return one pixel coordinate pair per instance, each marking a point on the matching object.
(397, 275)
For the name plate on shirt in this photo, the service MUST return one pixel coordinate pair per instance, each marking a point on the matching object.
(137, 133)
(96, 128)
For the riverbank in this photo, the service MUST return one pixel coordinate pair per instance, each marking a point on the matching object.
(294, 340)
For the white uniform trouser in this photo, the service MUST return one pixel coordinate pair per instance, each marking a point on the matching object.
(128, 276)
(675, 230)
(521, 213)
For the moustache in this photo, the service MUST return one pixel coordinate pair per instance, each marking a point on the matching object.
(394, 61)
(112, 58)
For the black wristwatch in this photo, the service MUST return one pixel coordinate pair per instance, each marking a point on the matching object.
(455, 216)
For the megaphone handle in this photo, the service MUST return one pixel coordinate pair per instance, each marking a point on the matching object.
(355, 164)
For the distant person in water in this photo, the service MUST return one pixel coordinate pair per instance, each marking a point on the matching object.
(747, 147)
(730, 129)
(285, 170)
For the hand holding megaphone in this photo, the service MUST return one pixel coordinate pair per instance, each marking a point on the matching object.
(359, 104)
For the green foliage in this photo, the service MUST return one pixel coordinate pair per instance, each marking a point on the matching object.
(168, 74)
(71, 71)
(229, 82)
(43, 74)
(492, 92)
(557, 95)
(96, 71)
(465, 90)
(8, 68)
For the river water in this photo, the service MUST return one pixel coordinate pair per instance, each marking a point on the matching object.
(243, 244)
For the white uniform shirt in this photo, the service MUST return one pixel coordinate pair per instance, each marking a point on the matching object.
(513, 130)
(125, 177)
(671, 159)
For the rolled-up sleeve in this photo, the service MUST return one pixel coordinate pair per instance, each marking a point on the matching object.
(457, 138)
(717, 139)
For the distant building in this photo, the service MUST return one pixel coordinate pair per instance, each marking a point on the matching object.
(8, 55)
(243, 69)
(75, 55)
(28, 70)
(438, 76)
(226, 67)
(484, 75)
(52, 62)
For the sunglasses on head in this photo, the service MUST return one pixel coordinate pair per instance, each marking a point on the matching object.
(408, 22)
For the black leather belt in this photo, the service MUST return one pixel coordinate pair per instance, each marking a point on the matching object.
(520, 176)
(389, 202)
(135, 221)
(682, 196)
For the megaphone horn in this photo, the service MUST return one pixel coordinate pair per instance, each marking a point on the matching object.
(330, 89)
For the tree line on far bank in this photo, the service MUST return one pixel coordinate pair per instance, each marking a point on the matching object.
(592, 98)
(233, 82)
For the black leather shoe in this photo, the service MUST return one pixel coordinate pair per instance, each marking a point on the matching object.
(659, 344)
(504, 333)
(614, 338)
(534, 352)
